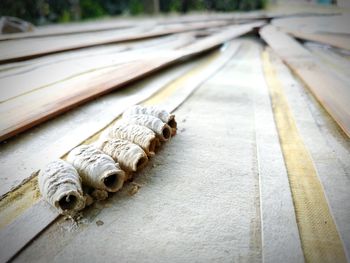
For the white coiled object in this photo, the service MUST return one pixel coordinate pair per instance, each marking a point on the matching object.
(161, 129)
(96, 168)
(140, 135)
(130, 156)
(60, 185)
(162, 114)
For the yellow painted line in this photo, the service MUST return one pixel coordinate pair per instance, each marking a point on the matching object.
(22, 198)
(319, 236)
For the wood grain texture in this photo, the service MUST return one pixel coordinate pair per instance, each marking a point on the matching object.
(66, 66)
(30, 109)
(31, 64)
(120, 23)
(331, 91)
(72, 28)
(334, 40)
(26, 48)
(328, 30)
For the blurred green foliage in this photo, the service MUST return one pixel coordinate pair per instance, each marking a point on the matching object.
(53, 11)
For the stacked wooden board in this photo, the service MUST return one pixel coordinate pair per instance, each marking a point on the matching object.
(105, 72)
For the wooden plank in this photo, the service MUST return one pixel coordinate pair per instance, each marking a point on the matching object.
(336, 61)
(72, 28)
(21, 113)
(331, 92)
(39, 75)
(329, 30)
(338, 41)
(19, 66)
(24, 228)
(16, 235)
(336, 24)
(120, 23)
(24, 48)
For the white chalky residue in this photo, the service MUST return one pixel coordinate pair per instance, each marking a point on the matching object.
(126, 153)
(59, 181)
(140, 135)
(95, 167)
(162, 114)
(162, 130)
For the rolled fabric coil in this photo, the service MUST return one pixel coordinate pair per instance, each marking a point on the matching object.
(96, 168)
(162, 114)
(140, 135)
(161, 129)
(130, 156)
(60, 185)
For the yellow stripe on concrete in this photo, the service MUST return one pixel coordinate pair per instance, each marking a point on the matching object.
(319, 236)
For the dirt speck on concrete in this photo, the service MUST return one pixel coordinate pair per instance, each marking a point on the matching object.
(134, 188)
(99, 222)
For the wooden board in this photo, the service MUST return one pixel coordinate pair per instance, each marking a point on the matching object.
(72, 28)
(25, 48)
(24, 228)
(331, 91)
(338, 41)
(33, 108)
(120, 23)
(329, 30)
(19, 66)
(37, 76)
(335, 24)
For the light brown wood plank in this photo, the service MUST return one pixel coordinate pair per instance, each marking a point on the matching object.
(120, 23)
(329, 30)
(335, 40)
(20, 66)
(38, 76)
(331, 91)
(72, 28)
(25, 48)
